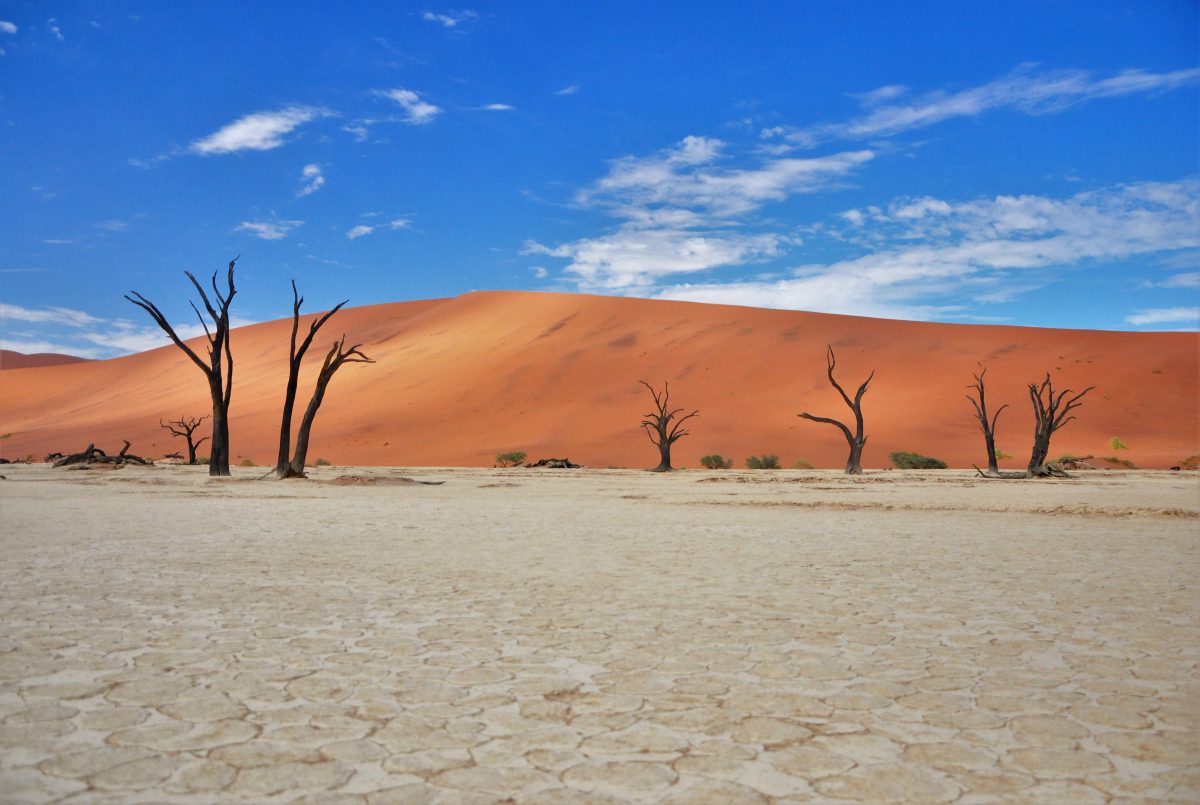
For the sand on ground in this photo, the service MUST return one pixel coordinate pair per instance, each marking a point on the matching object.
(594, 636)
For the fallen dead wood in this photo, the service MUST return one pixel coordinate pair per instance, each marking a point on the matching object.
(371, 480)
(94, 455)
(1048, 471)
(554, 463)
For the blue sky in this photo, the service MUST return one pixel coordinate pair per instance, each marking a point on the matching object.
(1019, 163)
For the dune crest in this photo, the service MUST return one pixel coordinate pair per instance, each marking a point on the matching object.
(458, 380)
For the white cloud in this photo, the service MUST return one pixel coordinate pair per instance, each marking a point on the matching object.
(681, 212)
(1025, 89)
(571, 90)
(47, 315)
(497, 107)
(57, 241)
(55, 31)
(268, 230)
(926, 250)
(417, 111)
(312, 178)
(1189, 279)
(539, 271)
(400, 223)
(73, 332)
(359, 130)
(7, 27)
(1168, 315)
(260, 131)
(359, 231)
(451, 18)
(634, 259)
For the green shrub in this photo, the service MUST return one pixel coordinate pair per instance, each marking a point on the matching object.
(802, 464)
(510, 459)
(322, 462)
(763, 462)
(1116, 444)
(1121, 462)
(1001, 455)
(915, 461)
(1067, 457)
(716, 462)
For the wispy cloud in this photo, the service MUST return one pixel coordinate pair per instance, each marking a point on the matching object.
(364, 229)
(57, 241)
(112, 225)
(449, 19)
(927, 257)
(7, 27)
(570, 90)
(311, 180)
(268, 230)
(1166, 315)
(73, 332)
(497, 107)
(55, 31)
(1026, 89)
(680, 212)
(417, 111)
(260, 131)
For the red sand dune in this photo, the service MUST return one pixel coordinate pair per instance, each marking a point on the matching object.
(458, 380)
(19, 360)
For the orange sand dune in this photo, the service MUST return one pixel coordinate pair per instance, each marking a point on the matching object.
(458, 380)
(10, 359)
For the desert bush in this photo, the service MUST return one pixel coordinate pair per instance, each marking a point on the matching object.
(763, 462)
(1121, 462)
(1116, 444)
(802, 464)
(510, 459)
(1001, 455)
(247, 462)
(1066, 458)
(1191, 463)
(915, 461)
(716, 462)
(322, 462)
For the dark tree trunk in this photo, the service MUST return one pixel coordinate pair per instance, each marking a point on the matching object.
(662, 426)
(1050, 413)
(295, 358)
(219, 368)
(987, 426)
(856, 440)
(337, 356)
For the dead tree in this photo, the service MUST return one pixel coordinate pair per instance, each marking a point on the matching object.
(856, 440)
(988, 426)
(185, 427)
(94, 455)
(662, 426)
(1050, 413)
(218, 370)
(295, 357)
(334, 359)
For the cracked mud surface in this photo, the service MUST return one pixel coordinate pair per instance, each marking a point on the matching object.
(587, 636)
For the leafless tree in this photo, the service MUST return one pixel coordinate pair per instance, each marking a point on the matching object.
(857, 439)
(218, 370)
(334, 359)
(185, 427)
(988, 426)
(295, 357)
(662, 426)
(1050, 411)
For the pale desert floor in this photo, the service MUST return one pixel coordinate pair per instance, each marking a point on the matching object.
(581, 636)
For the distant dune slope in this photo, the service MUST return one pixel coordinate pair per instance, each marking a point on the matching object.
(458, 380)
(19, 360)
